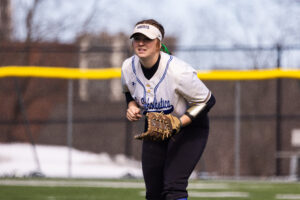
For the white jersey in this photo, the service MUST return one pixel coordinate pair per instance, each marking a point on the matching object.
(173, 88)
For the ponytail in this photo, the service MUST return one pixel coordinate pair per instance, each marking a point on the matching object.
(165, 49)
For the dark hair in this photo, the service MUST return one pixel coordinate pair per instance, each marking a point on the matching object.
(154, 23)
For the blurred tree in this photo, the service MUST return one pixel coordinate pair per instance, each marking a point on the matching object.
(5, 20)
(51, 24)
(26, 95)
(29, 20)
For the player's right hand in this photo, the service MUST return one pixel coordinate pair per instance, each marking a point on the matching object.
(133, 112)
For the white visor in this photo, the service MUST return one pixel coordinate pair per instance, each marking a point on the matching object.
(148, 30)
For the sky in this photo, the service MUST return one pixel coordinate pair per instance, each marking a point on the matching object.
(206, 22)
(220, 23)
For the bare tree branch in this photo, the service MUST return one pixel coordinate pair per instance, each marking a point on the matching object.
(29, 19)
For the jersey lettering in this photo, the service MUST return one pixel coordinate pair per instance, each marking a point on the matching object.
(157, 106)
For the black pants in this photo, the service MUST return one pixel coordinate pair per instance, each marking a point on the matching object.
(168, 165)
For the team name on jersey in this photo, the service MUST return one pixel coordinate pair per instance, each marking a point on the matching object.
(157, 106)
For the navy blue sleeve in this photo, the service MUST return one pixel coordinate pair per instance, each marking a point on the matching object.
(128, 97)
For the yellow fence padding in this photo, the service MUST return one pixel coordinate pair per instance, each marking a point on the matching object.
(109, 73)
(249, 74)
(59, 72)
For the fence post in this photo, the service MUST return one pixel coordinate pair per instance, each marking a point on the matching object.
(237, 129)
(278, 111)
(70, 125)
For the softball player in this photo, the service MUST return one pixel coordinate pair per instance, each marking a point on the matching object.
(155, 81)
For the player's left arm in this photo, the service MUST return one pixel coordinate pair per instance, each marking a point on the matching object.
(199, 97)
(201, 107)
(195, 110)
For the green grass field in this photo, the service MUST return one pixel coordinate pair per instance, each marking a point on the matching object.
(77, 189)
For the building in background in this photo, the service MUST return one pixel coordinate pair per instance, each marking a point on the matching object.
(102, 51)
